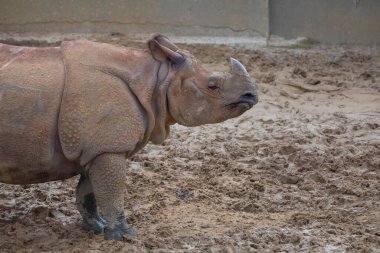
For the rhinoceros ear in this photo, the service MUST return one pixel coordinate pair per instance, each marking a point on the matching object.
(163, 50)
(164, 41)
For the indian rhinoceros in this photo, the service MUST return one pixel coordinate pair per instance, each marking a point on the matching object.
(84, 107)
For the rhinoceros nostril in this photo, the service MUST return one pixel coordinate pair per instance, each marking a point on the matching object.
(248, 95)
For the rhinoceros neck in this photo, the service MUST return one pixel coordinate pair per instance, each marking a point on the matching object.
(159, 101)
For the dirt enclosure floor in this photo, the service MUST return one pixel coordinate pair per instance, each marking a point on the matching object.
(300, 172)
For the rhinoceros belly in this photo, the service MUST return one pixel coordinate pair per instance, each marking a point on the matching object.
(31, 84)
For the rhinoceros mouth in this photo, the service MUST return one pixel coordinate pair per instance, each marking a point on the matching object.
(243, 104)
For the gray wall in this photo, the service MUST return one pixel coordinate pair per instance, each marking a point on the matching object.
(329, 21)
(182, 17)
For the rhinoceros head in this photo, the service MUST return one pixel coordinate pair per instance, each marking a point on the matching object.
(197, 96)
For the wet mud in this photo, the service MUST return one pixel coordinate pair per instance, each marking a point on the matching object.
(300, 172)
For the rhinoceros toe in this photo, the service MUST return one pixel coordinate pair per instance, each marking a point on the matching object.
(96, 225)
(118, 232)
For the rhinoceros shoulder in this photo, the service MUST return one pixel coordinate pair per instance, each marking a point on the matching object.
(99, 111)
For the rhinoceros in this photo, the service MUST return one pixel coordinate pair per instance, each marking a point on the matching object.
(84, 107)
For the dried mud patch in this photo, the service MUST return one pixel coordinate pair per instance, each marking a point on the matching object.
(298, 173)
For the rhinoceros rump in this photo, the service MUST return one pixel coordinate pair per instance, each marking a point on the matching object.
(83, 107)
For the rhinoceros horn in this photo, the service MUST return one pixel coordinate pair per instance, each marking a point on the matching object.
(237, 67)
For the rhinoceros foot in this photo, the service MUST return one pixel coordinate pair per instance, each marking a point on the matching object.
(120, 231)
(96, 225)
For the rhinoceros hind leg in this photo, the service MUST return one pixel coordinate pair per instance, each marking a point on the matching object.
(86, 204)
(107, 176)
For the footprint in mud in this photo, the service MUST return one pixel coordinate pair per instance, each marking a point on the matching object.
(298, 72)
(288, 179)
(287, 150)
(334, 130)
(365, 126)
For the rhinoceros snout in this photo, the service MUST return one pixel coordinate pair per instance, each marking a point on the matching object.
(250, 97)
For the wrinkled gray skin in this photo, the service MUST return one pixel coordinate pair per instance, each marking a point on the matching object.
(83, 107)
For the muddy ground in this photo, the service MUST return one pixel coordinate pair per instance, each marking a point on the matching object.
(300, 172)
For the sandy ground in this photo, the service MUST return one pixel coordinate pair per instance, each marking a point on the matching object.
(300, 172)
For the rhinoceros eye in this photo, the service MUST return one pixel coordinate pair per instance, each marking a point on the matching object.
(212, 85)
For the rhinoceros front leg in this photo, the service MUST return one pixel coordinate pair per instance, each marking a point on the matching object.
(107, 176)
(86, 204)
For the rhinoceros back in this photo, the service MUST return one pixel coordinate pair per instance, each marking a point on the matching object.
(31, 85)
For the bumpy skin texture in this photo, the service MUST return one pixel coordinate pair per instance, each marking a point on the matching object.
(106, 99)
(87, 206)
(31, 85)
(107, 172)
(84, 107)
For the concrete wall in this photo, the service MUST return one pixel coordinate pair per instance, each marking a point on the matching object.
(181, 17)
(329, 21)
